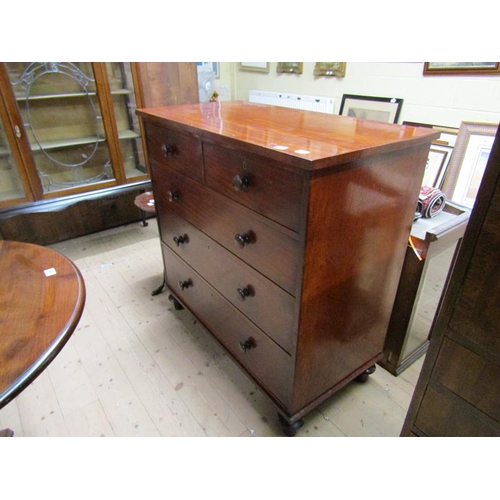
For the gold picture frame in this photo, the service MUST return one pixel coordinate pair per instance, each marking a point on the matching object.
(258, 67)
(289, 67)
(330, 69)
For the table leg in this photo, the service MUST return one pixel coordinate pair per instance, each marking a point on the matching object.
(143, 216)
(158, 290)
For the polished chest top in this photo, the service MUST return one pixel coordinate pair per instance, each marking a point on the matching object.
(306, 139)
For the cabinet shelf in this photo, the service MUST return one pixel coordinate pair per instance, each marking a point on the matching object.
(69, 95)
(79, 141)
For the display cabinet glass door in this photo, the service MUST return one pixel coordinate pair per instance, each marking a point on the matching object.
(62, 116)
(11, 187)
(121, 83)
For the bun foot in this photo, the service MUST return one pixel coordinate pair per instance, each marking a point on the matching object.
(177, 305)
(288, 428)
(363, 377)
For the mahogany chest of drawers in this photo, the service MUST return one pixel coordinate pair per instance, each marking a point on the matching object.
(284, 232)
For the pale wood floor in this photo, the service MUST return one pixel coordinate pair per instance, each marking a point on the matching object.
(137, 367)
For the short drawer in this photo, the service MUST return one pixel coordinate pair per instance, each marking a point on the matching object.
(265, 361)
(258, 183)
(270, 307)
(265, 246)
(178, 151)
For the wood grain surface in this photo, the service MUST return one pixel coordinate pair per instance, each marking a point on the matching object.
(42, 296)
(308, 140)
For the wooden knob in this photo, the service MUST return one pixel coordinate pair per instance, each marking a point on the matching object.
(173, 196)
(240, 183)
(179, 240)
(242, 239)
(247, 344)
(167, 149)
(185, 284)
(243, 293)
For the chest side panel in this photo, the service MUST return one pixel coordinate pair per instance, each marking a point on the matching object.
(359, 219)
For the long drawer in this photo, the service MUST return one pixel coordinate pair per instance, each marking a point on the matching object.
(256, 182)
(266, 304)
(270, 365)
(261, 244)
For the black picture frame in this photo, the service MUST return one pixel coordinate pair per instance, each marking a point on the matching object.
(384, 109)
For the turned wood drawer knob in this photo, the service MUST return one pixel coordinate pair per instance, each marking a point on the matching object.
(185, 284)
(243, 293)
(247, 344)
(179, 240)
(173, 195)
(167, 149)
(242, 239)
(240, 182)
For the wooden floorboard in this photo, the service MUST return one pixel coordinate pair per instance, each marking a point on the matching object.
(137, 367)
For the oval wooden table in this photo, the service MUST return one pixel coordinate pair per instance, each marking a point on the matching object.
(42, 296)
(146, 202)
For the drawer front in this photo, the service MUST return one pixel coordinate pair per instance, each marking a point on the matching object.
(250, 237)
(263, 302)
(472, 384)
(179, 151)
(256, 182)
(444, 414)
(264, 360)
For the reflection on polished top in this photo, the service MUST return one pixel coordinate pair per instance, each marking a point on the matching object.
(311, 140)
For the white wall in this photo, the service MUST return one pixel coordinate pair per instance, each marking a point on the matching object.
(439, 100)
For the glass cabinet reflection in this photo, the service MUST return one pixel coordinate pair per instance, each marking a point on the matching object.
(121, 84)
(11, 187)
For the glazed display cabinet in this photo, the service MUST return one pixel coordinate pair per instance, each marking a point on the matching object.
(66, 128)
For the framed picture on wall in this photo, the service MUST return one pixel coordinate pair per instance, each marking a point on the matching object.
(289, 67)
(460, 68)
(382, 109)
(259, 67)
(330, 69)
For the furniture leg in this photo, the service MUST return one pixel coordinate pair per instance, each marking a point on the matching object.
(363, 377)
(290, 429)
